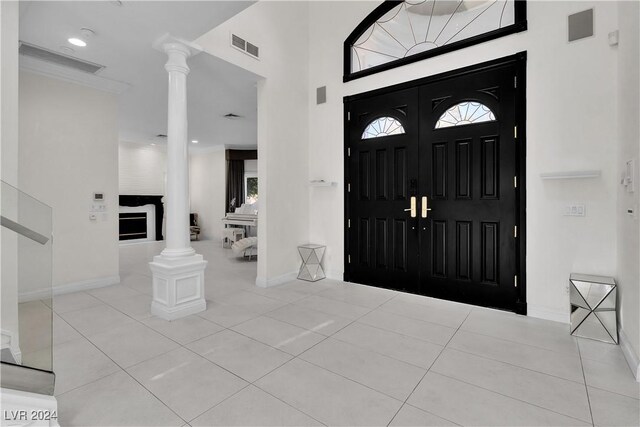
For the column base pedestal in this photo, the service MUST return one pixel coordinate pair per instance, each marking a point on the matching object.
(178, 286)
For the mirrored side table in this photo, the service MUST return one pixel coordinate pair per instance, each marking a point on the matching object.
(593, 307)
(311, 268)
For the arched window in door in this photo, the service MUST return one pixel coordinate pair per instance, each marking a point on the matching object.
(465, 113)
(382, 126)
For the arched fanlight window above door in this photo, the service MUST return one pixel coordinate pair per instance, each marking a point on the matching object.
(382, 126)
(400, 32)
(465, 113)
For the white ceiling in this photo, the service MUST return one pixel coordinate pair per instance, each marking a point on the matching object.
(122, 43)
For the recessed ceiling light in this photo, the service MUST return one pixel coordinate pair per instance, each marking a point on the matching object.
(153, 143)
(195, 141)
(77, 42)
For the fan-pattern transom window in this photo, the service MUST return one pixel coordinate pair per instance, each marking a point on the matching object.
(402, 29)
(383, 126)
(465, 113)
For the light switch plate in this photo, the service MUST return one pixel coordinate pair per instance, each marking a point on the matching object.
(575, 210)
(629, 176)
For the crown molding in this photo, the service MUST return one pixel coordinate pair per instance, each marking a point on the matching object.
(55, 71)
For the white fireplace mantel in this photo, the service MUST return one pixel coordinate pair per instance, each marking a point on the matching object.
(150, 210)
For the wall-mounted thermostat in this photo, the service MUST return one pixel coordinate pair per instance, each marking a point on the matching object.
(98, 197)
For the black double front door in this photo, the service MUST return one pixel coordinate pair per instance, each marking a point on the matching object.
(433, 202)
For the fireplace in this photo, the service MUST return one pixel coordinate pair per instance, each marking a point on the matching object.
(138, 223)
(141, 218)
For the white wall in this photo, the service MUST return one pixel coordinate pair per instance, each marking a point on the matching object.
(9, 14)
(629, 136)
(571, 125)
(280, 29)
(250, 166)
(68, 150)
(207, 176)
(141, 168)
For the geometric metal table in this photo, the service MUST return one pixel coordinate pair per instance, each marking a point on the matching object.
(311, 268)
(593, 307)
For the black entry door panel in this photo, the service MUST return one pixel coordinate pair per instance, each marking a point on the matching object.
(383, 172)
(458, 155)
(467, 171)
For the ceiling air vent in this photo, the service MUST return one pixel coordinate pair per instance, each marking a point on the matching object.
(232, 116)
(43, 54)
(244, 46)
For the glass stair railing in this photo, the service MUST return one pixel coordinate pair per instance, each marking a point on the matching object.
(26, 319)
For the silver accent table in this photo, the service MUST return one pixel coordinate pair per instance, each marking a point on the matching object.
(593, 307)
(311, 268)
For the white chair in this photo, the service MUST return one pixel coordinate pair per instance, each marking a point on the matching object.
(232, 235)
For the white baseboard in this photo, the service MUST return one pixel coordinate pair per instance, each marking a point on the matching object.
(547, 313)
(335, 275)
(262, 282)
(82, 285)
(630, 354)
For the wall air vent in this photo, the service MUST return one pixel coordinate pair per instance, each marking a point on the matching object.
(244, 46)
(253, 50)
(238, 42)
(47, 55)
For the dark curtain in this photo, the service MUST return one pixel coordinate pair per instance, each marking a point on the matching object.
(235, 183)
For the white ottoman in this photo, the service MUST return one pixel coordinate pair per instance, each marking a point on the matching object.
(232, 235)
(244, 246)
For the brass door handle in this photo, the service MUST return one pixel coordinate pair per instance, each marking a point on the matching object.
(425, 208)
(413, 208)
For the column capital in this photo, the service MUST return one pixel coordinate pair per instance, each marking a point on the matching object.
(178, 50)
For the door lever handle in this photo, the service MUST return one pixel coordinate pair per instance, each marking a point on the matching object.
(425, 207)
(413, 208)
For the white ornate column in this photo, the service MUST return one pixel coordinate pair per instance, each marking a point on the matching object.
(178, 272)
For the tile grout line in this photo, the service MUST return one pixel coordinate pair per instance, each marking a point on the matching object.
(121, 370)
(314, 345)
(356, 320)
(614, 392)
(234, 374)
(330, 371)
(479, 309)
(140, 321)
(586, 388)
(511, 397)
(493, 391)
(515, 366)
(521, 343)
(290, 303)
(429, 369)
(249, 383)
(297, 357)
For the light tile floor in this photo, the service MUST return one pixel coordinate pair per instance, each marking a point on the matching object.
(319, 353)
